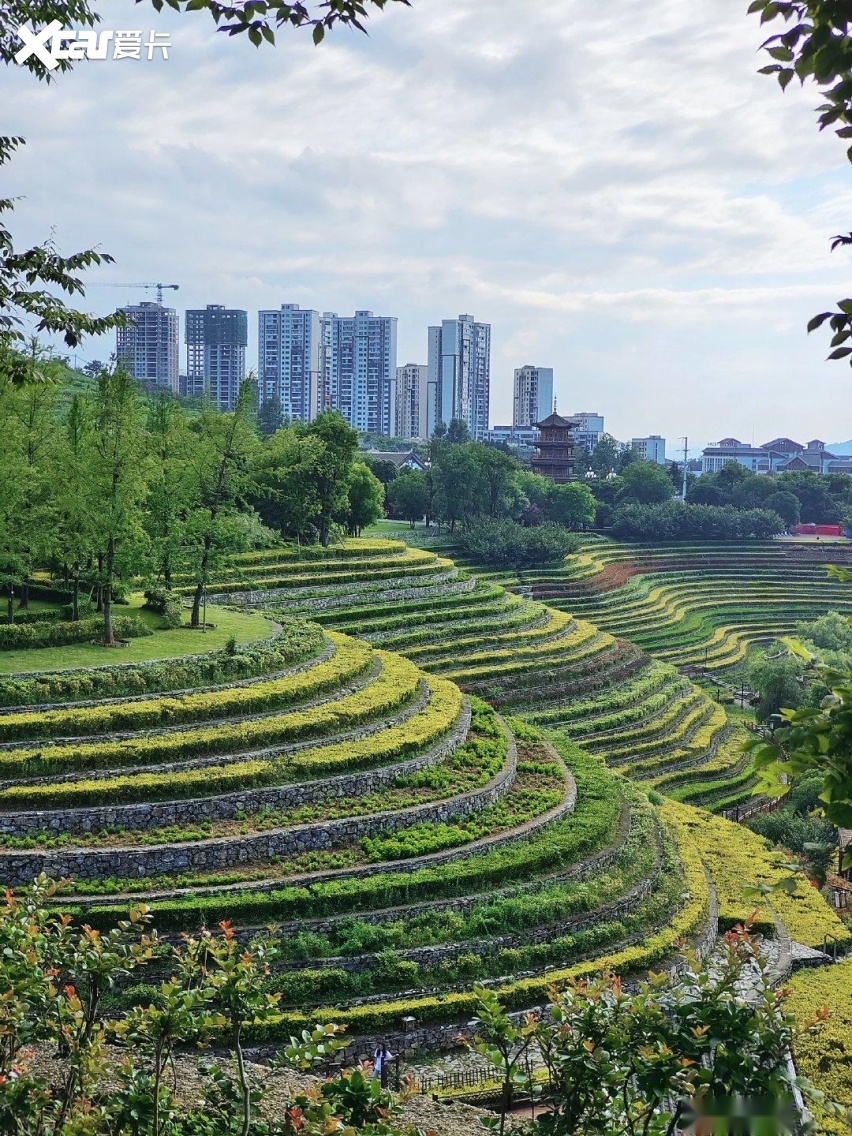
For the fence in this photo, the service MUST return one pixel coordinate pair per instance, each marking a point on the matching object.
(741, 813)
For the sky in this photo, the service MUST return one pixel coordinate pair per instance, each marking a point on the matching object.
(611, 186)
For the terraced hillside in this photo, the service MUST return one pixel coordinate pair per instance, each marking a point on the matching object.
(695, 604)
(402, 834)
(522, 656)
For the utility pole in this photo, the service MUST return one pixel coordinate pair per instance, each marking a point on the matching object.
(685, 460)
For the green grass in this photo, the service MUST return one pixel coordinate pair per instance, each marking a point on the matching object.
(163, 644)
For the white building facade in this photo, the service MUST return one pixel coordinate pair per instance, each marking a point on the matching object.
(459, 378)
(358, 369)
(149, 346)
(411, 401)
(652, 448)
(288, 351)
(590, 426)
(533, 395)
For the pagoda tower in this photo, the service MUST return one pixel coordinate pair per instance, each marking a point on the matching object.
(555, 445)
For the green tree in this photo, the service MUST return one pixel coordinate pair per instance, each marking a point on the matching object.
(286, 489)
(72, 509)
(117, 468)
(775, 677)
(171, 486)
(645, 483)
(829, 632)
(270, 416)
(408, 496)
(572, 505)
(496, 472)
(223, 448)
(605, 456)
(458, 432)
(332, 469)
(786, 505)
(460, 490)
(366, 499)
(383, 469)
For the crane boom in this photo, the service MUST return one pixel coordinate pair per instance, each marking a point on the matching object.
(160, 287)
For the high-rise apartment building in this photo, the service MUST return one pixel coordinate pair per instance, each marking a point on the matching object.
(288, 352)
(216, 339)
(652, 448)
(411, 401)
(533, 395)
(590, 426)
(149, 345)
(358, 369)
(459, 373)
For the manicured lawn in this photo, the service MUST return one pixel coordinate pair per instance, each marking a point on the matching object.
(163, 644)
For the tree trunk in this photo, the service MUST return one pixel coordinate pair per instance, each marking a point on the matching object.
(109, 638)
(10, 606)
(24, 602)
(195, 618)
(75, 595)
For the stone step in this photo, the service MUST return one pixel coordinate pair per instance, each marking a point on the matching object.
(803, 956)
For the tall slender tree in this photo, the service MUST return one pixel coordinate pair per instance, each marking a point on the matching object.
(117, 464)
(221, 478)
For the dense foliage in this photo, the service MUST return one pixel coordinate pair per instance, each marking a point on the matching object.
(116, 490)
(674, 520)
(795, 496)
(653, 1062)
(505, 543)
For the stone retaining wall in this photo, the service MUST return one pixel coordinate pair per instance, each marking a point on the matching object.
(154, 814)
(319, 598)
(431, 860)
(224, 852)
(264, 676)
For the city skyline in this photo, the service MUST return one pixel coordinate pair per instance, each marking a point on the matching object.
(666, 267)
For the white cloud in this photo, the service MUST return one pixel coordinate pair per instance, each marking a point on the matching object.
(618, 192)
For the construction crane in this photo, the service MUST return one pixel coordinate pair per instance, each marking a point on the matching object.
(159, 287)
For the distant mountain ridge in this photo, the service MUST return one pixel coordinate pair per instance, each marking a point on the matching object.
(840, 447)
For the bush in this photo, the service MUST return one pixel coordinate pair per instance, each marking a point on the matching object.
(675, 520)
(167, 604)
(505, 543)
(298, 640)
(62, 634)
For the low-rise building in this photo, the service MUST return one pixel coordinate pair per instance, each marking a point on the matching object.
(590, 426)
(780, 455)
(652, 448)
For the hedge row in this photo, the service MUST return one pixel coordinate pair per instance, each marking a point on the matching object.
(649, 681)
(678, 715)
(386, 617)
(590, 827)
(524, 993)
(298, 641)
(518, 640)
(641, 711)
(825, 1056)
(64, 633)
(349, 661)
(426, 727)
(293, 583)
(395, 686)
(738, 858)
